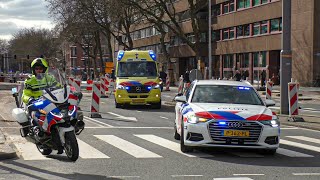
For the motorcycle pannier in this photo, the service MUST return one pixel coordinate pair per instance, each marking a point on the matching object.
(19, 115)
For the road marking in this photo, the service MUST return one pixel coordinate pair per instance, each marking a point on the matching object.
(127, 147)
(163, 117)
(89, 121)
(290, 153)
(121, 177)
(308, 139)
(290, 128)
(186, 175)
(248, 174)
(86, 151)
(123, 117)
(306, 174)
(170, 145)
(97, 121)
(300, 145)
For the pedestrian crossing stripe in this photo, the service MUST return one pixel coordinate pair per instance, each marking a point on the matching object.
(28, 150)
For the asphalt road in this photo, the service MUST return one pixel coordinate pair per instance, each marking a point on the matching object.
(138, 143)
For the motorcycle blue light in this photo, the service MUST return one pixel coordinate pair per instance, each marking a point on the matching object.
(120, 55)
(222, 123)
(152, 55)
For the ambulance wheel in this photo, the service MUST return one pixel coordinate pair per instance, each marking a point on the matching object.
(157, 105)
(117, 104)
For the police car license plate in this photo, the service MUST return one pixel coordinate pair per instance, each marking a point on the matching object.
(236, 133)
(138, 101)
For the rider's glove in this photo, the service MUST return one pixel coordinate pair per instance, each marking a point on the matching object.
(31, 100)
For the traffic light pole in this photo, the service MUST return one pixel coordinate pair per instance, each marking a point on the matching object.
(285, 57)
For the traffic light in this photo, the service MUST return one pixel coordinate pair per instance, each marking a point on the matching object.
(27, 56)
(15, 56)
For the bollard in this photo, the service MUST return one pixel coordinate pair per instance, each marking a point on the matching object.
(96, 93)
(168, 83)
(180, 88)
(269, 90)
(70, 81)
(293, 103)
(103, 87)
(89, 87)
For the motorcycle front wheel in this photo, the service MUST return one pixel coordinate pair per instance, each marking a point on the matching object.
(43, 150)
(71, 147)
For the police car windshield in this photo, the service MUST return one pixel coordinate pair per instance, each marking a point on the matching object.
(225, 94)
(137, 69)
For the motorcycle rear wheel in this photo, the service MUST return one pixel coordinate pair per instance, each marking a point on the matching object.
(71, 147)
(42, 150)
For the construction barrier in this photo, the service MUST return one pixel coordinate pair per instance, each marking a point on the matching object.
(96, 94)
(269, 90)
(89, 87)
(70, 81)
(180, 88)
(104, 87)
(168, 83)
(77, 85)
(293, 102)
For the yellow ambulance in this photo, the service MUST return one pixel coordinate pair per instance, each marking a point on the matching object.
(137, 79)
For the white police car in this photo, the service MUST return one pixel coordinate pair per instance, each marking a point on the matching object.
(216, 113)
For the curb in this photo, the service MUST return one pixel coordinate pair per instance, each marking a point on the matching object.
(6, 151)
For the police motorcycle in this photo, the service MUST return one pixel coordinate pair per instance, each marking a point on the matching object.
(53, 121)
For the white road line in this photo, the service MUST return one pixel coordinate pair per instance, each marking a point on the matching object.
(170, 145)
(248, 174)
(125, 177)
(186, 175)
(127, 147)
(89, 121)
(308, 139)
(97, 121)
(290, 153)
(86, 151)
(300, 145)
(123, 117)
(290, 128)
(306, 174)
(163, 117)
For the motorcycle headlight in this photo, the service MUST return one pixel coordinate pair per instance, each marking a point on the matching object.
(272, 123)
(193, 119)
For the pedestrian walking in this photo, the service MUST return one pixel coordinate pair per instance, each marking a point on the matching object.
(237, 76)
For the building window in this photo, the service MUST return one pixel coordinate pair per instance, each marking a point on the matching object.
(73, 51)
(228, 61)
(216, 10)
(275, 25)
(215, 35)
(228, 33)
(256, 28)
(256, 59)
(228, 7)
(203, 37)
(243, 30)
(244, 60)
(243, 4)
(264, 27)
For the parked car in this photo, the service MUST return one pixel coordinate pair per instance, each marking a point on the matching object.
(231, 114)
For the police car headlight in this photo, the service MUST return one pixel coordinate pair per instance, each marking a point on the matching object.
(272, 123)
(193, 119)
(120, 87)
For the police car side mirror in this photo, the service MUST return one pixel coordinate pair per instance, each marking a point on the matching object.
(182, 99)
(270, 102)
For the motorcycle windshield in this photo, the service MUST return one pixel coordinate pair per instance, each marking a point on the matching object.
(51, 80)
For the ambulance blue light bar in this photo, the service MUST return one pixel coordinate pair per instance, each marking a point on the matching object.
(152, 55)
(120, 55)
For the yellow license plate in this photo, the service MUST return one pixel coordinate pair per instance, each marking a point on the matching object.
(138, 101)
(236, 133)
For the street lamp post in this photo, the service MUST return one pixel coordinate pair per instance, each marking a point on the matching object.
(209, 41)
(285, 57)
